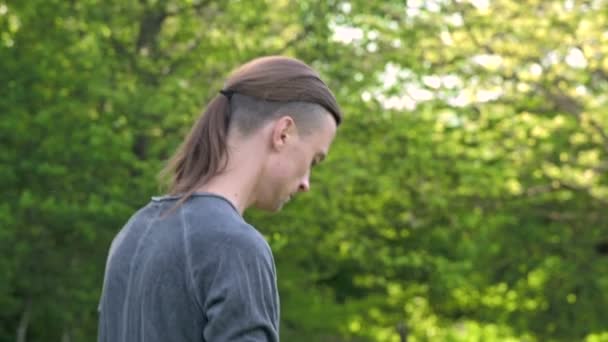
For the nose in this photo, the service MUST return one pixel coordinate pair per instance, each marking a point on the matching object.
(304, 184)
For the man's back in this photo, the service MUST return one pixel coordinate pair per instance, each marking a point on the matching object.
(196, 273)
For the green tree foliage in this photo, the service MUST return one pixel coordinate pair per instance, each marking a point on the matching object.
(463, 200)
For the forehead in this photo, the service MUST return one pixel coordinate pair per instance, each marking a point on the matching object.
(322, 137)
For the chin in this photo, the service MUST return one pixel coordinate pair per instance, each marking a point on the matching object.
(278, 207)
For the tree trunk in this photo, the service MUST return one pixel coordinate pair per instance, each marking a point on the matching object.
(24, 321)
(402, 330)
(66, 336)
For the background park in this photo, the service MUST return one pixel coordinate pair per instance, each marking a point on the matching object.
(465, 197)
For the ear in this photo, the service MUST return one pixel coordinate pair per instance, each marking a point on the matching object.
(283, 131)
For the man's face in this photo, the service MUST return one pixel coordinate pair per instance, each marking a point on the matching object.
(290, 169)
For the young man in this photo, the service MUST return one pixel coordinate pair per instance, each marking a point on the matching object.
(187, 267)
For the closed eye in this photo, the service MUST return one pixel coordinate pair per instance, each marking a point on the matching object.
(318, 158)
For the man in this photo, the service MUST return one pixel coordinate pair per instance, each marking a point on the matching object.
(187, 267)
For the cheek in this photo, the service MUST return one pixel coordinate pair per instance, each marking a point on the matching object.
(291, 167)
(298, 168)
(304, 168)
(294, 164)
(283, 171)
(302, 162)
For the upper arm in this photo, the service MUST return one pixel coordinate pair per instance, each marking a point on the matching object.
(238, 292)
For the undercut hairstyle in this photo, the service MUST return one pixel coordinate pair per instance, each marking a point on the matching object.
(254, 94)
(248, 114)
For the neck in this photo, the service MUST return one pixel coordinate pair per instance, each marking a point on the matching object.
(237, 183)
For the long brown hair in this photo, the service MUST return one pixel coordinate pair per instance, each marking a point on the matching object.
(272, 79)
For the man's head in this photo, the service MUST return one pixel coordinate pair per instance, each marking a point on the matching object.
(290, 141)
(278, 101)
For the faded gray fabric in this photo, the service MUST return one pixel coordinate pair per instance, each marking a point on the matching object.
(200, 273)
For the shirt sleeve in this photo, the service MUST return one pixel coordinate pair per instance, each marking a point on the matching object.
(240, 302)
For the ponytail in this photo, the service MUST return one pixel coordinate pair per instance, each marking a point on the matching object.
(203, 153)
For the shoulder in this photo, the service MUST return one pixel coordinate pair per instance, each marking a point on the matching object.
(215, 224)
(251, 238)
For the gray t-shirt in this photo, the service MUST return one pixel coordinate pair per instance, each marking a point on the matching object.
(199, 273)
